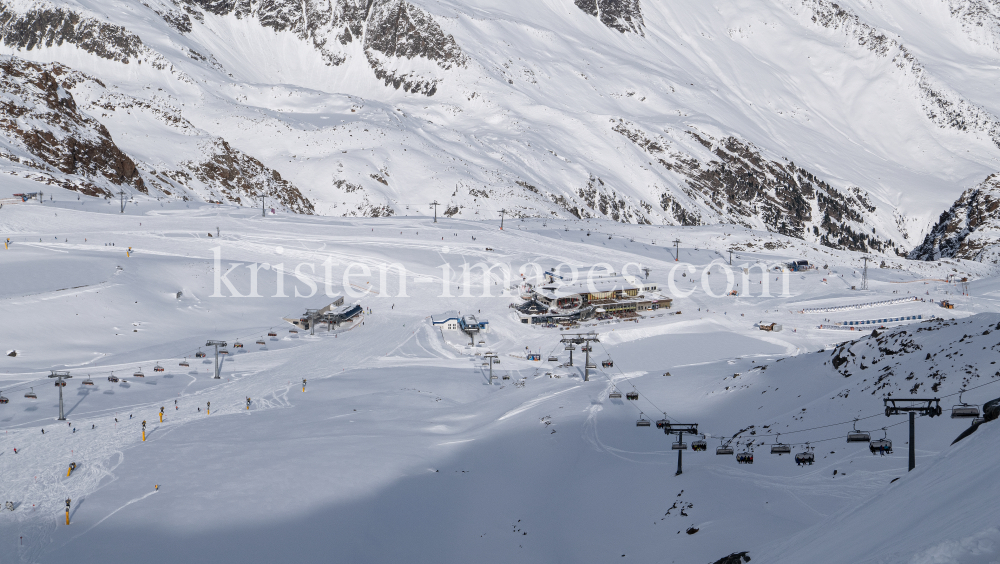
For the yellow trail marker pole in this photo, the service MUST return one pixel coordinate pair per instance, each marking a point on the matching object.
(161, 415)
(208, 410)
(303, 384)
(67, 510)
(143, 430)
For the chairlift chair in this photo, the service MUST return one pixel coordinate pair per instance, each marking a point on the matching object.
(724, 449)
(293, 331)
(745, 456)
(31, 394)
(570, 347)
(261, 342)
(857, 436)
(881, 446)
(679, 446)
(607, 363)
(553, 359)
(591, 365)
(139, 374)
(662, 423)
(112, 378)
(3, 399)
(634, 396)
(200, 354)
(223, 351)
(807, 457)
(586, 348)
(699, 445)
(615, 394)
(506, 376)
(780, 448)
(156, 368)
(272, 334)
(964, 410)
(88, 381)
(237, 345)
(60, 384)
(185, 363)
(642, 422)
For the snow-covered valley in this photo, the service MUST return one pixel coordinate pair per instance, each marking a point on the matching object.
(401, 448)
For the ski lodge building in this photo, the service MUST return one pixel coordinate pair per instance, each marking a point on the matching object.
(600, 296)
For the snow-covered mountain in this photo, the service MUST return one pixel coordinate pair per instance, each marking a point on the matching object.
(850, 124)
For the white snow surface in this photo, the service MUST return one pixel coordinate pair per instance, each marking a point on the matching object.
(400, 449)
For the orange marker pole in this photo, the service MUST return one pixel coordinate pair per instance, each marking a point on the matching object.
(143, 430)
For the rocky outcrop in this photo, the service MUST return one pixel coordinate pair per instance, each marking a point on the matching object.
(46, 27)
(970, 229)
(40, 120)
(736, 183)
(388, 30)
(980, 20)
(229, 175)
(622, 15)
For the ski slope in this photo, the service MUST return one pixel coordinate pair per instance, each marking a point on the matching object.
(401, 449)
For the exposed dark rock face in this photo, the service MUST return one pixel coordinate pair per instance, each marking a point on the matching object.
(45, 27)
(233, 176)
(387, 29)
(970, 229)
(622, 15)
(980, 19)
(739, 184)
(942, 106)
(734, 558)
(39, 115)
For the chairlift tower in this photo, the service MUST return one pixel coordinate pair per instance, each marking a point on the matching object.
(263, 213)
(646, 270)
(585, 339)
(59, 375)
(864, 275)
(216, 344)
(679, 429)
(929, 407)
(501, 218)
(677, 250)
(489, 358)
(121, 194)
(435, 205)
(311, 315)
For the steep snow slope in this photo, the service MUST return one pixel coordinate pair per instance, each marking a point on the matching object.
(850, 124)
(400, 448)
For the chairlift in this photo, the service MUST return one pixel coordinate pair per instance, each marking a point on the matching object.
(586, 348)
(223, 351)
(200, 354)
(724, 449)
(139, 374)
(857, 436)
(679, 446)
(31, 394)
(662, 423)
(553, 359)
(591, 365)
(779, 447)
(237, 345)
(3, 399)
(699, 445)
(185, 363)
(807, 457)
(642, 422)
(634, 396)
(60, 383)
(745, 456)
(261, 342)
(112, 378)
(293, 331)
(881, 446)
(615, 394)
(272, 334)
(666, 374)
(88, 381)
(964, 410)
(570, 347)
(157, 368)
(608, 363)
